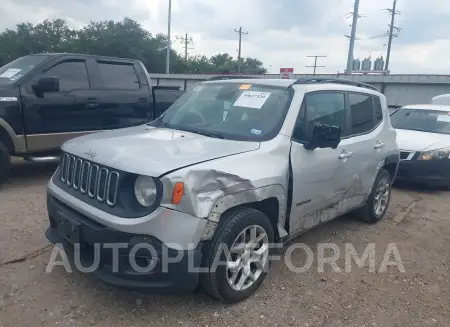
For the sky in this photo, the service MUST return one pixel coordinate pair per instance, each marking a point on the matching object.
(280, 33)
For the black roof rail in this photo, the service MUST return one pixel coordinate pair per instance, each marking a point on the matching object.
(334, 80)
(225, 77)
(166, 87)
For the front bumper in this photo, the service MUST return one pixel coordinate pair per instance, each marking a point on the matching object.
(89, 244)
(435, 173)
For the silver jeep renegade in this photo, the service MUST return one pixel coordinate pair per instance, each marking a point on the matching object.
(231, 168)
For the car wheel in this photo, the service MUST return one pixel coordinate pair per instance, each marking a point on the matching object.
(5, 163)
(237, 257)
(379, 198)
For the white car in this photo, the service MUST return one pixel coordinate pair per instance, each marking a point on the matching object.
(423, 137)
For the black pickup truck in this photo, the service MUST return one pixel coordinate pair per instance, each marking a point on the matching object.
(46, 99)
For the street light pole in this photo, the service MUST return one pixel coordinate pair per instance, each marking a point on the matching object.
(168, 38)
(351, 46)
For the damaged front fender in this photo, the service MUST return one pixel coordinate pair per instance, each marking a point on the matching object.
(208, 193)
(202, 188)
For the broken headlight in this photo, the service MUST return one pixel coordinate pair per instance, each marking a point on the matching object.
(435, 154)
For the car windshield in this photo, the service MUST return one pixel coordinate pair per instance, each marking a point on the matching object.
(431, 121)
(247, 112)
(18, 68)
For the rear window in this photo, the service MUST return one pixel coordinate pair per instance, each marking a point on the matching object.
(117, 76)
(431, 121)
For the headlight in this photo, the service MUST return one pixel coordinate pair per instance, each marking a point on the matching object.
(145, 191)
(435, 154)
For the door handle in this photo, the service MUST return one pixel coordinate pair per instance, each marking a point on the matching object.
(91, 103)
(378, 145)
(345, 155)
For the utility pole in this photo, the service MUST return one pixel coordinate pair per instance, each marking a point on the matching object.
(315, 62)
(393, 12)
(240, 46)
(351, 46)
(186, 41)
(169, 18)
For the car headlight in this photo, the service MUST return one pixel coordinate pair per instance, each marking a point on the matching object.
(145, 191)
(435, 154)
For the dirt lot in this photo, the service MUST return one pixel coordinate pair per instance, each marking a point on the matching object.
(420, 296)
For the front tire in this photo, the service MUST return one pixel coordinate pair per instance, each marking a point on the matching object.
(5, 163)
(378, 200)
(236, 274)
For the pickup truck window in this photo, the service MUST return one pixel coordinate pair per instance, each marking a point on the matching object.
(72, 75)
(16, 69)
(248, 112)
(119, 76)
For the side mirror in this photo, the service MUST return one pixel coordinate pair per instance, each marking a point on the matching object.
(324, 136)
(46, 84)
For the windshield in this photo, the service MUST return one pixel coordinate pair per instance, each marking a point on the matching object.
(247, 112)
(18, 68)
(431, 121)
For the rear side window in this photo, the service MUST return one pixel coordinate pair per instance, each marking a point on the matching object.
(118, 76)
(361, 110)
(378, 110)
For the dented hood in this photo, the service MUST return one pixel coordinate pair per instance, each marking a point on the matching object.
(152, 151)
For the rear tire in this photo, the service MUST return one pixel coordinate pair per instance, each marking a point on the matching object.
(5, 163)
(378, 200)
(234, 225)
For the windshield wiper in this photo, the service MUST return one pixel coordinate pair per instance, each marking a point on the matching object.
(209, 134)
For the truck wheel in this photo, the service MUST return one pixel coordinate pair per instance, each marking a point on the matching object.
(5, 163)
(237, 258)
(378, 201)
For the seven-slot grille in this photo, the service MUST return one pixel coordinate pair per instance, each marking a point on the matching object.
(89, 178)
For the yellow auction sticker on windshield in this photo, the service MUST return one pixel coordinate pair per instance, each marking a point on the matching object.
(245, 86)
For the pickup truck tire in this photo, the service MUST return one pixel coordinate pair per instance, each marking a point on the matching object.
(222, 263)
(5, 163)
(378, 200)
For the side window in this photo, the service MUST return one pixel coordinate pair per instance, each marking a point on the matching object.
(118, 76)
(72, 75)
(361, 112)
(324, 107)
(378, 110)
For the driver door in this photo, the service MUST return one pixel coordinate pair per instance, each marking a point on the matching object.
(319, 177)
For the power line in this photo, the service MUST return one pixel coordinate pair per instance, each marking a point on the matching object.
(186, 41)
(351, 46)
(240, 32)
(315, 62)
(393, 13)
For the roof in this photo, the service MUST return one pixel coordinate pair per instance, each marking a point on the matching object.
(308, 87)
(435, 107)
(271, 82)
(55, 54)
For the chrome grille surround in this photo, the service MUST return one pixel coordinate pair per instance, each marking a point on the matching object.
(88, 178)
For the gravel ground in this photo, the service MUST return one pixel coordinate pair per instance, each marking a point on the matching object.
(417, 223)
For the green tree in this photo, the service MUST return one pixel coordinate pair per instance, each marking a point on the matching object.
(125, 38)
